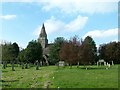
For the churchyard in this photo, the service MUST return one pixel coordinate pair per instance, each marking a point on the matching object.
(62, 77)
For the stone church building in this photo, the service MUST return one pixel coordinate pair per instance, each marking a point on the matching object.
(44, 43)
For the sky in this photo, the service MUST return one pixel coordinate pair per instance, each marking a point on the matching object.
(21, 21)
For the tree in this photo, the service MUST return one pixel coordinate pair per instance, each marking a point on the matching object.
(10, 51)
(54, 50)
(16, 49)
(110, 52)
(63, 53)
(33, 51)
(22, 56)
(88, 51)
(117, 53)
(102, 51)
(69, 51)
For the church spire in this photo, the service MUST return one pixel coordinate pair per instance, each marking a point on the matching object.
(43, 37)
(43, 32)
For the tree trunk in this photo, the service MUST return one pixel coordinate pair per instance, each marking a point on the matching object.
(22, 65)
(26, 66)
(18, 64)
(4, 66)
(70, 66)
(37, 66)
(13, 66)
(5, 63)
(58, 65)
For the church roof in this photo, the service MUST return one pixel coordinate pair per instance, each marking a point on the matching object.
(43, 32)
(47, 49)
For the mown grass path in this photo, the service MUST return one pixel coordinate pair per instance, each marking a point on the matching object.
(52, 77)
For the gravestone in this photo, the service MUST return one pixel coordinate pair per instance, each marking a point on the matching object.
(37, 65)
(100, 62)
(112, 63)
(40, 63)
(78, 64)
(13, 66)
(61, 63)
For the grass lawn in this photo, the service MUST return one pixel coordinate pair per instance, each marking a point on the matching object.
(95, 77)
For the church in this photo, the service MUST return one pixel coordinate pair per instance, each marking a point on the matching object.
(44, 43)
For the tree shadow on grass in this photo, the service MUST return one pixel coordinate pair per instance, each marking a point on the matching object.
(93, 68)
(8, 81)
(4, 71)
(5, 83)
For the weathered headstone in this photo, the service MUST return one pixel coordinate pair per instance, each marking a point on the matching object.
(100, 62)
(13, 66)
(61, 63)
(109, 65)
(40, 63)
(77, 64)
(112, 63)
(37, 66)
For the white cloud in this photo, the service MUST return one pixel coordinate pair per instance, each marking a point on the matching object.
(54, 25)
(81, 6)
(56, 0)
(77, 23)
(18, 0)
(76, 6)
(51, 25)
(7, 17)
(102, 33)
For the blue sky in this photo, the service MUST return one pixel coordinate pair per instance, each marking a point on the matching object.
(22, 21)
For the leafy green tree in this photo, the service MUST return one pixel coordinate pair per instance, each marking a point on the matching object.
(33, 51)
(10, 52)
(102, 51)
(54, 50)
(16, 49)
(88, 51)
(22, 56)
(117, 53)
(110, 52)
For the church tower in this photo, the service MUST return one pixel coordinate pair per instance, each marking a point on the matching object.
(43, 37)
